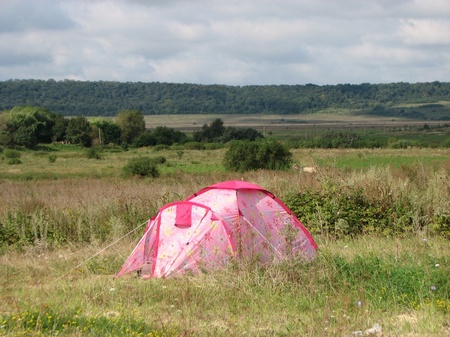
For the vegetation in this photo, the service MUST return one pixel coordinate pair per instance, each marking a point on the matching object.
(250, 155)
(77, 98)
(142, 166)
(380, 217)
(62, 250)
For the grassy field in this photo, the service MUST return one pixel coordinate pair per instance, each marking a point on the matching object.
(399, 283)
(60, 288)
(74, 162)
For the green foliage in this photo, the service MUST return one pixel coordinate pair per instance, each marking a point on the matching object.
(210, 133)
(168, 136)
(105, 98)
(159, 159)
(52, 158)
(160, 147)
(217, 132)
(60, 128)
(339, 139)
(79, 131)
(131, 124)
(28, 126)
(93, 153)
(401, 144)
(253, 155)
(342, 213)
(146, 138)
(12, 157)
(13, 161)
(441, 225)
(141, 166)
(232, 133)
(110, 132)
(10, 153)
(194, 146)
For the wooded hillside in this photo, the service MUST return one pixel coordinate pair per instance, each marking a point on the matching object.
(76, 98)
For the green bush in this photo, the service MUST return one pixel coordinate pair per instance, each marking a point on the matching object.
(93, 153)
(142, 166)
(14, 161)
(194, 146)
(161, 147)
(441, 225)
(245, 155)
(341, 213)
(52, 158)
(11, 154)
(159, 159)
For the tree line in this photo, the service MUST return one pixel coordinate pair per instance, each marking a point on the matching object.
(104, 98)
(29, 126)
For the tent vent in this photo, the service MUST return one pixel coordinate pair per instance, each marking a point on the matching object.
(183, 217)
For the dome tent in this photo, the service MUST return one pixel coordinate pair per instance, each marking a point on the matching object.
(232, 219)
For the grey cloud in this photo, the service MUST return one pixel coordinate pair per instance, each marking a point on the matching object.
(23, 15)
(227, 42)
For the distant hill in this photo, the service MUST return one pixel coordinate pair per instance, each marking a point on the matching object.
(74, 98)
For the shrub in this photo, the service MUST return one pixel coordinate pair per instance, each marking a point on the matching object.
(52, 158)
(441, 225)
(93, 153)
(252, 155)
(194, 146)
(161, 147)
(340, 213)
(159, 159)
(10, 154)
(142, 166)
(14, 161)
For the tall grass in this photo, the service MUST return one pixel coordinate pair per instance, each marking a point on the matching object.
(382, 199)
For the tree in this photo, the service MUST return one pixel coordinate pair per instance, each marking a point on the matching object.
(232, 133)
(210, 133)
(79, 131)
(244, 155)
(168, 136)
(131, 123)
(27, 126)
(60, 128)
(110, 132)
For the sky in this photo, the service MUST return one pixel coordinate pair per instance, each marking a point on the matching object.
(230, 42)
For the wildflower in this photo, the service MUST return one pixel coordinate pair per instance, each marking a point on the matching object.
(437, 265)
(433, 288)
(359, 303)
(424, 239)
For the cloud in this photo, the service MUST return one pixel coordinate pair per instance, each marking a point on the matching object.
(226, 42)
(25, 15)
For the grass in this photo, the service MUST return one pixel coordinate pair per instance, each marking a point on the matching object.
(349, 287)
(400, 282)
(73, 163)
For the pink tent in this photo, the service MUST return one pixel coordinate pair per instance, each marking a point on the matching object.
(233, 219)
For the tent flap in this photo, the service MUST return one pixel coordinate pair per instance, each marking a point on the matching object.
(183, 217)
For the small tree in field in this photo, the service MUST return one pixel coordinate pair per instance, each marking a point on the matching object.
(253, 155)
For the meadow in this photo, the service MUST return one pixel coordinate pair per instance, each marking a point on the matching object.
(67, 220)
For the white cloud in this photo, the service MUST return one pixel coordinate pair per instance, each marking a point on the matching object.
(226, 42)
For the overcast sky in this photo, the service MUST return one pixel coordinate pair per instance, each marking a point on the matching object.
(233, 42)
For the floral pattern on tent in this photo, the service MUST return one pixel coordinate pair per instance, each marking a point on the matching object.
(218, 223)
